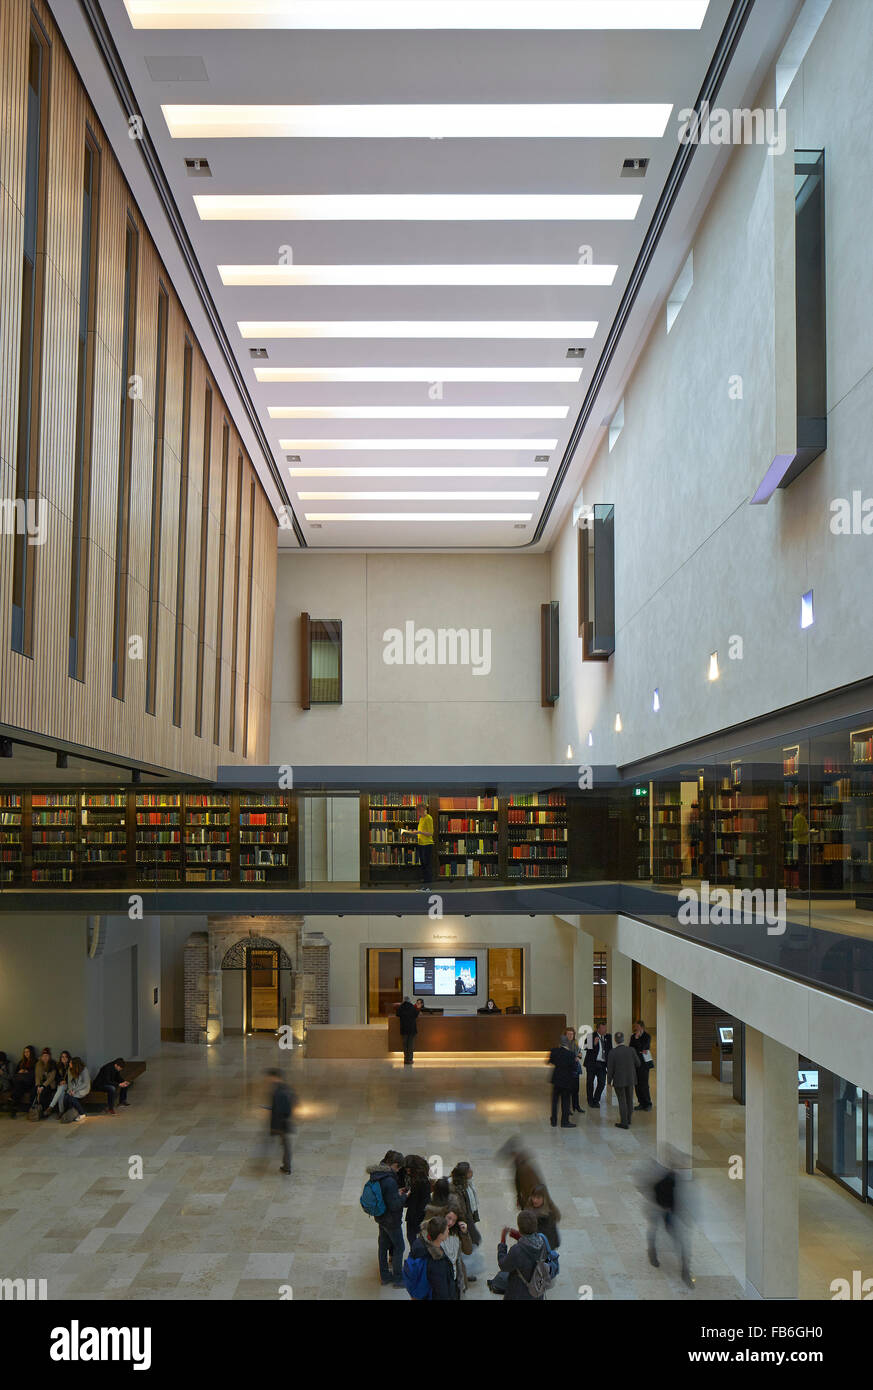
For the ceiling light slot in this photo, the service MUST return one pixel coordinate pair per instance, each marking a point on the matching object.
(576, 352)
(634, 168)
(198, 169)
(260, 352)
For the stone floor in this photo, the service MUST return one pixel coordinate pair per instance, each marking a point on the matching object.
(213, 1218)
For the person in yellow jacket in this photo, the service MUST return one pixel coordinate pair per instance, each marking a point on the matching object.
(424, 837)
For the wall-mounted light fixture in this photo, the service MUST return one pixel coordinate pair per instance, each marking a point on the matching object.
(618, 723)
(656, 700)
(807, 614)
(713, 666)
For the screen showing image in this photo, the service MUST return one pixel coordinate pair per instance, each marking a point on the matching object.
(444, 975)
(807, 1080)
(726, 1034)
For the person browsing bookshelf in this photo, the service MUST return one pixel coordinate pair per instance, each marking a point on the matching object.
(424, 840)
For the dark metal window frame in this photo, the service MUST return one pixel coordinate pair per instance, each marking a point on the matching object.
(184, 452)
(125, 449)
(153, 632)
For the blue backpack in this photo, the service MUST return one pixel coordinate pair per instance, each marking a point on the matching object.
(415, 1278)
(371, 1198)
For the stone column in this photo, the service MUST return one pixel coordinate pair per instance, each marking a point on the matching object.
(315, 960)
(673, 1076)
(583, 980)
(215, 1018)
(772, 1228)
(196, 986)
(619, 994)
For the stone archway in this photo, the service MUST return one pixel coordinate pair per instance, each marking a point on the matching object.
(305, 954)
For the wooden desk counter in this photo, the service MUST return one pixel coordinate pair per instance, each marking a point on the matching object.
(482, 1033)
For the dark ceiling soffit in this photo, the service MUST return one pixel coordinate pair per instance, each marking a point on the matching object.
(712, 82)
(124, 91)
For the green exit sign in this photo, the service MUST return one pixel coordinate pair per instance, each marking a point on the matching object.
(641, 791)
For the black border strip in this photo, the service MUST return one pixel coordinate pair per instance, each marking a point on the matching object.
(124, 91)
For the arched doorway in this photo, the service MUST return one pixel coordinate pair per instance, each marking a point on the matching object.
(257, 986)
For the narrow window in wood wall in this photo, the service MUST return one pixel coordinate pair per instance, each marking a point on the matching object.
(222, 562)
(122, 513)
(236, 565)
(84, 410)
(204, 557)
(29, 379)
(157, 502)
(249, 615)
(183, 529)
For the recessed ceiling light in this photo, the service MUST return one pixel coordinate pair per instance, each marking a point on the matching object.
(564, 375)
(422, 121)
(417, 207)
(417, 472)
(293, 458)
(418, 516)
(416, 328)
(519, 526)
(493, 495)
(198, 169)
(424, 14)
(418, 412)
(541, 458)
(634, 169)
(576, 352)
(413, 445)
(296, 275)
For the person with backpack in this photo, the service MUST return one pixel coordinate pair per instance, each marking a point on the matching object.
(282, 1107)
(428, 1272)
(531, 1264)
(383, 1199)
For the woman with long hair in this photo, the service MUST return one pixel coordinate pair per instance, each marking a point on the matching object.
(63, 1066)
(418, 1196)
(23, 1083)
(78, 1086)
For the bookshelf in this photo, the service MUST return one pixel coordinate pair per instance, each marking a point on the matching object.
(158, 829)
(468, 837)
(11, 813)
(743, 835)
(792, 803)
(54, 831)
(386, 855)
(536, 832)
(206, 837)
(667, 833)
(861, 754)
(265, 829)
(641, 834)
(102, 837)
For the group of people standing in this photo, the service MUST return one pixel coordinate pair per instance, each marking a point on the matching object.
(42, 1084)
(607, 1061)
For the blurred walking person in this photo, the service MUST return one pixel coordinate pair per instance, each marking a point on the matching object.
(283, 1103)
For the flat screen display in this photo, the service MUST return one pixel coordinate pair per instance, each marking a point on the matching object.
(726, 1034)
(444, 975)
(807, 1081)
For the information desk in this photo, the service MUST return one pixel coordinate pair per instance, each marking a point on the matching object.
(482, 1033)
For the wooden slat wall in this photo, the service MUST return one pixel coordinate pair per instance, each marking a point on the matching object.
(38, 695)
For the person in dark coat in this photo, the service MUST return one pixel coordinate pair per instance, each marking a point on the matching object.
(563, 1080)
(490, 1008)
(418, 1182)
(408, 1015)
(641, 1043)
(440, 1275)
(390, 1222)
(621, 1072)
(546, 1213)
(521, 1260)
(282, 1107)
(596, 1059)
(110, 1078)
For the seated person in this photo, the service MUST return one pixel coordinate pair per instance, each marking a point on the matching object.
(45, 1075)
(5, 1075)
(110, 1078)
(490, 1008)
(77, 1088)
(22, 1079)
(63, 1066)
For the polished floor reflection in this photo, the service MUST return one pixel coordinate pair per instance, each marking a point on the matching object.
(212, 1217)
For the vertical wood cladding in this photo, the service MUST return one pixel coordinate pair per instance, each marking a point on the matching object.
(81, 535)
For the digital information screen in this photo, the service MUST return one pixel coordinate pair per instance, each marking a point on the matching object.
(726, 1034)
(807, 1081)
(444, 975)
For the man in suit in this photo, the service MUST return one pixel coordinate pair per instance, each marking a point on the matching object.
(408, 1015)
(563, 1079)
(596, 1058)
(621, 1072)
(641, 1043)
